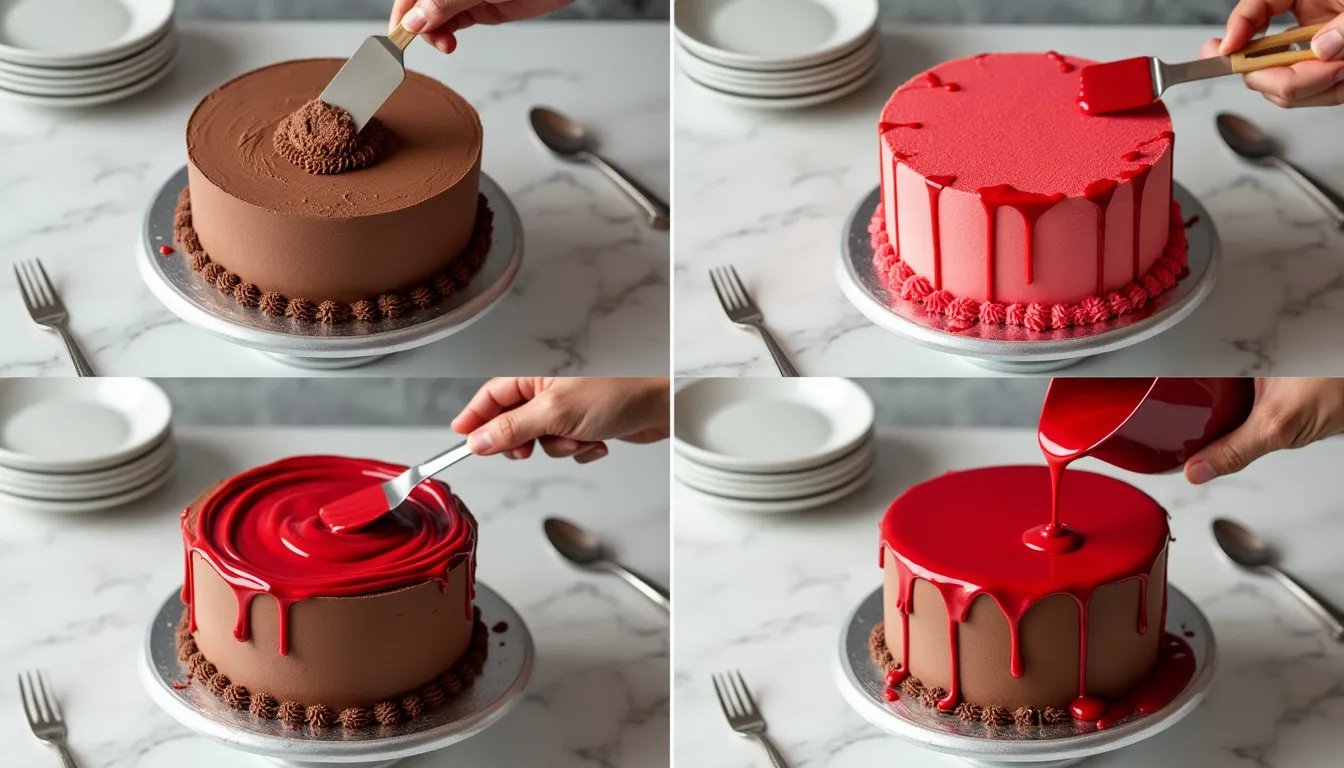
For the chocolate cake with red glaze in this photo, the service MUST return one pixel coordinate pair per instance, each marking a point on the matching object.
(979, 623)
(1003, 203)
(292, 212)
(294, 622)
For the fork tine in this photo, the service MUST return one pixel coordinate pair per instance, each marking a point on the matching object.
(718, 291)
(740, 299)
(723, 704)
(23, 291)
(33, 289)
(53, 706)
(39, 290)
(746, 694)
(46, 281)
(38, 703)
(741, 288)
(738, 705)
(23, 696)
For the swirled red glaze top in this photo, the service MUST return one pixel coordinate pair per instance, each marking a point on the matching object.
(261, 532)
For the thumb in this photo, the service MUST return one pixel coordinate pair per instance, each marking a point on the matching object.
(1231, 453)
(511, 429)
(1328, 44)
(429, 15)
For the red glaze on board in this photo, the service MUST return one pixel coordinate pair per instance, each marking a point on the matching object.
(1115, 86)
(1124, 533)
(1174, 670)
(1030, 205)
(166, 250)
(1099, 193)
(1064, 65)
(935, 185)
(260, 531)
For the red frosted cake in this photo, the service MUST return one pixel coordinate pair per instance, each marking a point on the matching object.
(292, 212)
(1003, 203)
(293, 622)
(981, 624)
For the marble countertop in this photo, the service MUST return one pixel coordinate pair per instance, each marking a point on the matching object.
(592, 297)
(769, 193)
(87, 586)
(767, 595)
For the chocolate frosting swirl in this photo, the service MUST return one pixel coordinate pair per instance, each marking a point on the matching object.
(355, 717)
(319, 716)
(387, 713)
(291, 713)
(264, 706)
(322, 139)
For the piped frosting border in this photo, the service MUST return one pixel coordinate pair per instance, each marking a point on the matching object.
(455, 277)
(429, 696)
(962, 312)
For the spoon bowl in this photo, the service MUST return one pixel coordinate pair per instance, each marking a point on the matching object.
(573, 543)
(1244, 137)
(559, 133)
(1241, 544)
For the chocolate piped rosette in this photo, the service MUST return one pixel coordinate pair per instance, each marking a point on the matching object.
(293, 213)
(294, 622)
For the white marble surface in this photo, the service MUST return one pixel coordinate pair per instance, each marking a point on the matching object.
(769, 192)
(592, 297)
(767, 595)
(80, 590)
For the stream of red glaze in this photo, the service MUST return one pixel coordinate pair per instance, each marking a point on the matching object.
(1030, 205)
(261, 532)
(935, 186)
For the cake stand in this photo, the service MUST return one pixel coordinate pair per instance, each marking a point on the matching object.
(1050, 746)
(313, 345)
(1016, 350)
(508, 667)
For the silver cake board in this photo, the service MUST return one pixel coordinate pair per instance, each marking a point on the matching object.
(862, 683)
(313, 345)
(508, 667)
(1017, 350)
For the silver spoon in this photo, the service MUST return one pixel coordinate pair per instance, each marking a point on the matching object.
(584, 550)
(570, 141)
(1248, 550)
(1248, 140)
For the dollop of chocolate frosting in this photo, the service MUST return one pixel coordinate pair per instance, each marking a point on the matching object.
(322, 139)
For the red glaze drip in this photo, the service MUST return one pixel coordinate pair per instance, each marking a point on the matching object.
(933, 81)
(1030, 205)
(166, 250)
(1132, 155)
(1138, 177)
(1124, 533)
(935, 185)
(1175, 667)
(882, 128)
(261, 533)
(1087, 708)
(1192, 221)
(1064, 66)
(895, 677)
(897, 157)
(500, 627)
(1115, 86)
(890, 694)
(1099, 193)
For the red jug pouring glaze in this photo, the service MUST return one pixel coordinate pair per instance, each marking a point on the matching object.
(1150, 425)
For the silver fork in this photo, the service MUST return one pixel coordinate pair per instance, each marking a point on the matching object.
(742, 714)
(44, 714)
(47, 310)
(742, 310)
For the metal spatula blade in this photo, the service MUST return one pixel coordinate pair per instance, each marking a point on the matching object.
(370, 77)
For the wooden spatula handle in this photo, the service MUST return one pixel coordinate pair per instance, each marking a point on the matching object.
(401, 37)
(1254, 57)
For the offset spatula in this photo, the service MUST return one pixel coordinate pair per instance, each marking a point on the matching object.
(1132, 83)
(370, 77)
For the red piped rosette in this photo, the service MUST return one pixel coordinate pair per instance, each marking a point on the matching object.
(261, 532)
(1093, 312)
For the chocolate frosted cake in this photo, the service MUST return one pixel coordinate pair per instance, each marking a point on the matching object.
(292, 212)
(980, 624)
(293, 622)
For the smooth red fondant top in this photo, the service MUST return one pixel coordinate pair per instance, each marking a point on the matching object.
(965, 528)
(1014, 119)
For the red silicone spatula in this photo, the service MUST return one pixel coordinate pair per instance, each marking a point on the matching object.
(1132, 83)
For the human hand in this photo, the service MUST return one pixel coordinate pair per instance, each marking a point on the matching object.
(1288, 413)
(440, 20)
(568, 417)
(1305, 84)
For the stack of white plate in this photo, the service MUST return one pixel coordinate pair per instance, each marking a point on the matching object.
(78, 53)
(773, 445)
(778, 54)
(79, 445)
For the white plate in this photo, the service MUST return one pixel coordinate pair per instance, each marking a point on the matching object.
(767, 34)
(771, 425)
(859, 456)
(152, 453)
(115, 80)
(77, 425)
(780, 491)
(788, 102)
(72, 102)
(78, 32)
(120, 73)
(850, 65)
(76, 73)
(777, 506)
(835, 79)
(71, 487)
(85, 505)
